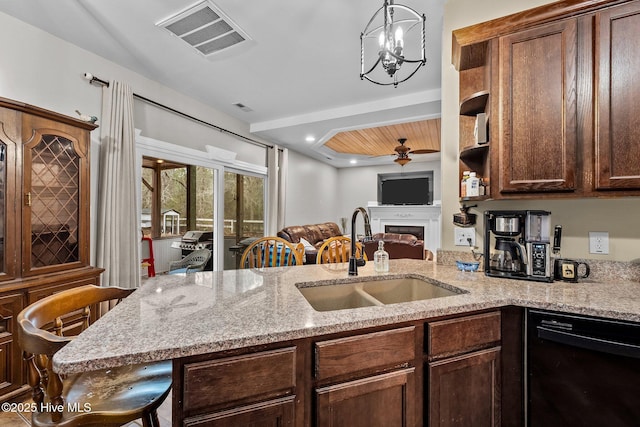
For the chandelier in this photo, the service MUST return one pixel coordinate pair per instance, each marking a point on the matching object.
(394, 35)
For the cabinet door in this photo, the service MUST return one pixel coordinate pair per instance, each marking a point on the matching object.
(276, 413)
(464, 390)
(382, 400)
(617, 62)
(12, 370)
(9, 223)
(55, 185)
(538, 130)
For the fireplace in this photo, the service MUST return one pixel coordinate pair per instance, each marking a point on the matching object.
(416, 230)
(405, 219)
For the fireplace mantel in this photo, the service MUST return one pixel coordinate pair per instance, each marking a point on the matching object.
(427, 216)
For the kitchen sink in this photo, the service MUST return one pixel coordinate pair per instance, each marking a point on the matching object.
(406, 289)
(368, 293)
(337, 297)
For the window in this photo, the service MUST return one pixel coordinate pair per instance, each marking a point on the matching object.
(243, 206)
(175, 198)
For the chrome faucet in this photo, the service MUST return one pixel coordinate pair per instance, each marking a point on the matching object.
(354, 262)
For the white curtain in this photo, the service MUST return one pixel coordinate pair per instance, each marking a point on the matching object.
(118, 231)
(277, 162)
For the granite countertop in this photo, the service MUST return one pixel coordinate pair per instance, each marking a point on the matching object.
(175, 316)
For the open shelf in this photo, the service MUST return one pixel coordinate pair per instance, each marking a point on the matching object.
(475, 156)
(474, 104)
(474, 199)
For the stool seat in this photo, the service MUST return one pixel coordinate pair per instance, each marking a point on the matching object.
(125, 391)
(109, 397)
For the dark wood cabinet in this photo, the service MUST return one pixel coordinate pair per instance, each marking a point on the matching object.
(370, 380)
(537, 93)
(617, 61)
(248, 389)
(272, 413)
(55, 190)
(367, 379)
(380, 400)
(464, 371)
(464, 390)
(44, 217)
(562, 99)
(12, 371)
(445, 372)
(475, 100)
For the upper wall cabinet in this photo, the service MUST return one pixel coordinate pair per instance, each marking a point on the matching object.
(537, 91)
(617, 64)
(564, 91)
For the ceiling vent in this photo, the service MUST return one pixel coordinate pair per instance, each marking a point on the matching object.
(206, 28)
(243, 107)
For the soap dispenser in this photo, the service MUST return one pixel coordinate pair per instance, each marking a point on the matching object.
(381, 259)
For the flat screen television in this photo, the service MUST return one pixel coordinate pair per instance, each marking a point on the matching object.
(404, 190)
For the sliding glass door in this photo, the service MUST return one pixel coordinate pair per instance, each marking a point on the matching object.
(244, 214)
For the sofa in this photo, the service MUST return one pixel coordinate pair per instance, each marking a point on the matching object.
(313, 235)
(397, 245)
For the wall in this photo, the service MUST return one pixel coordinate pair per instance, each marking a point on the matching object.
(578, 217)
(312, 191)
(359, 185)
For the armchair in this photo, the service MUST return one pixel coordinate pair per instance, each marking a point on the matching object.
(195, 261)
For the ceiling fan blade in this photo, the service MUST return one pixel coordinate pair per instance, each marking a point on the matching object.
(423, 151)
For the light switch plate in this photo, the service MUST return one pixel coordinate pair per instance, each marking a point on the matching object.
(599, 242)
(461, 234)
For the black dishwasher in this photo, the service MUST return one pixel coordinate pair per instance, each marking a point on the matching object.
(582, 371)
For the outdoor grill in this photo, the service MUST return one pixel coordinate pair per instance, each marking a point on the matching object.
(193, 240)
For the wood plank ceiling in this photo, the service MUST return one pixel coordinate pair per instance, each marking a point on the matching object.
(380, 141)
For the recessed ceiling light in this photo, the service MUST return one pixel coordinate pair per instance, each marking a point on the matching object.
(353, 161)
(310, 138)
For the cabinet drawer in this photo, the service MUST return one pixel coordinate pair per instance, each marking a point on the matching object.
(456, 336)
(364, 352)
(215, 384)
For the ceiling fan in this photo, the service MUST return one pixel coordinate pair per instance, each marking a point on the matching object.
(403, 152)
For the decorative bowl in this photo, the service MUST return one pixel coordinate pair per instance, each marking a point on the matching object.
(467, 266)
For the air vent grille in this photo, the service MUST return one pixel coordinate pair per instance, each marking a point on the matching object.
(206, 28)
(243, 107)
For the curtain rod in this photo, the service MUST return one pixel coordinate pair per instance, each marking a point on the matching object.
(93, 79)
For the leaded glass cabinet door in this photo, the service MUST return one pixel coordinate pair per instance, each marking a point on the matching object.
(55, 208)
(8, 221)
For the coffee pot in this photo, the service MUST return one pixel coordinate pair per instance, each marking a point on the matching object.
(509, 256)
(517, 245)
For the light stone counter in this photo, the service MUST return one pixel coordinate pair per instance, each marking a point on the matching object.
(176, 315)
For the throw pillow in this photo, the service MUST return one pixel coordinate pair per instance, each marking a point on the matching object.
(306, 244)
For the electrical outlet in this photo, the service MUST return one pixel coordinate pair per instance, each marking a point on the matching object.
(462, 234)
(599, 242)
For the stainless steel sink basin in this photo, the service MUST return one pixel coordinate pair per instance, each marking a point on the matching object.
(368, 293)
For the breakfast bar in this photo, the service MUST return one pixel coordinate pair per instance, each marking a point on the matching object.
(199, 318)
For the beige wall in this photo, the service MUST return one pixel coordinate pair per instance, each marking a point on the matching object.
(617, 216)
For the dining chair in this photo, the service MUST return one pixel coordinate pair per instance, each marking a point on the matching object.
(146, 249)
(337, 249)
(195, 261)
(272, 251)
(107, 397)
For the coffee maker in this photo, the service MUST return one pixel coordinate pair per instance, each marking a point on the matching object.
(517, 245)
